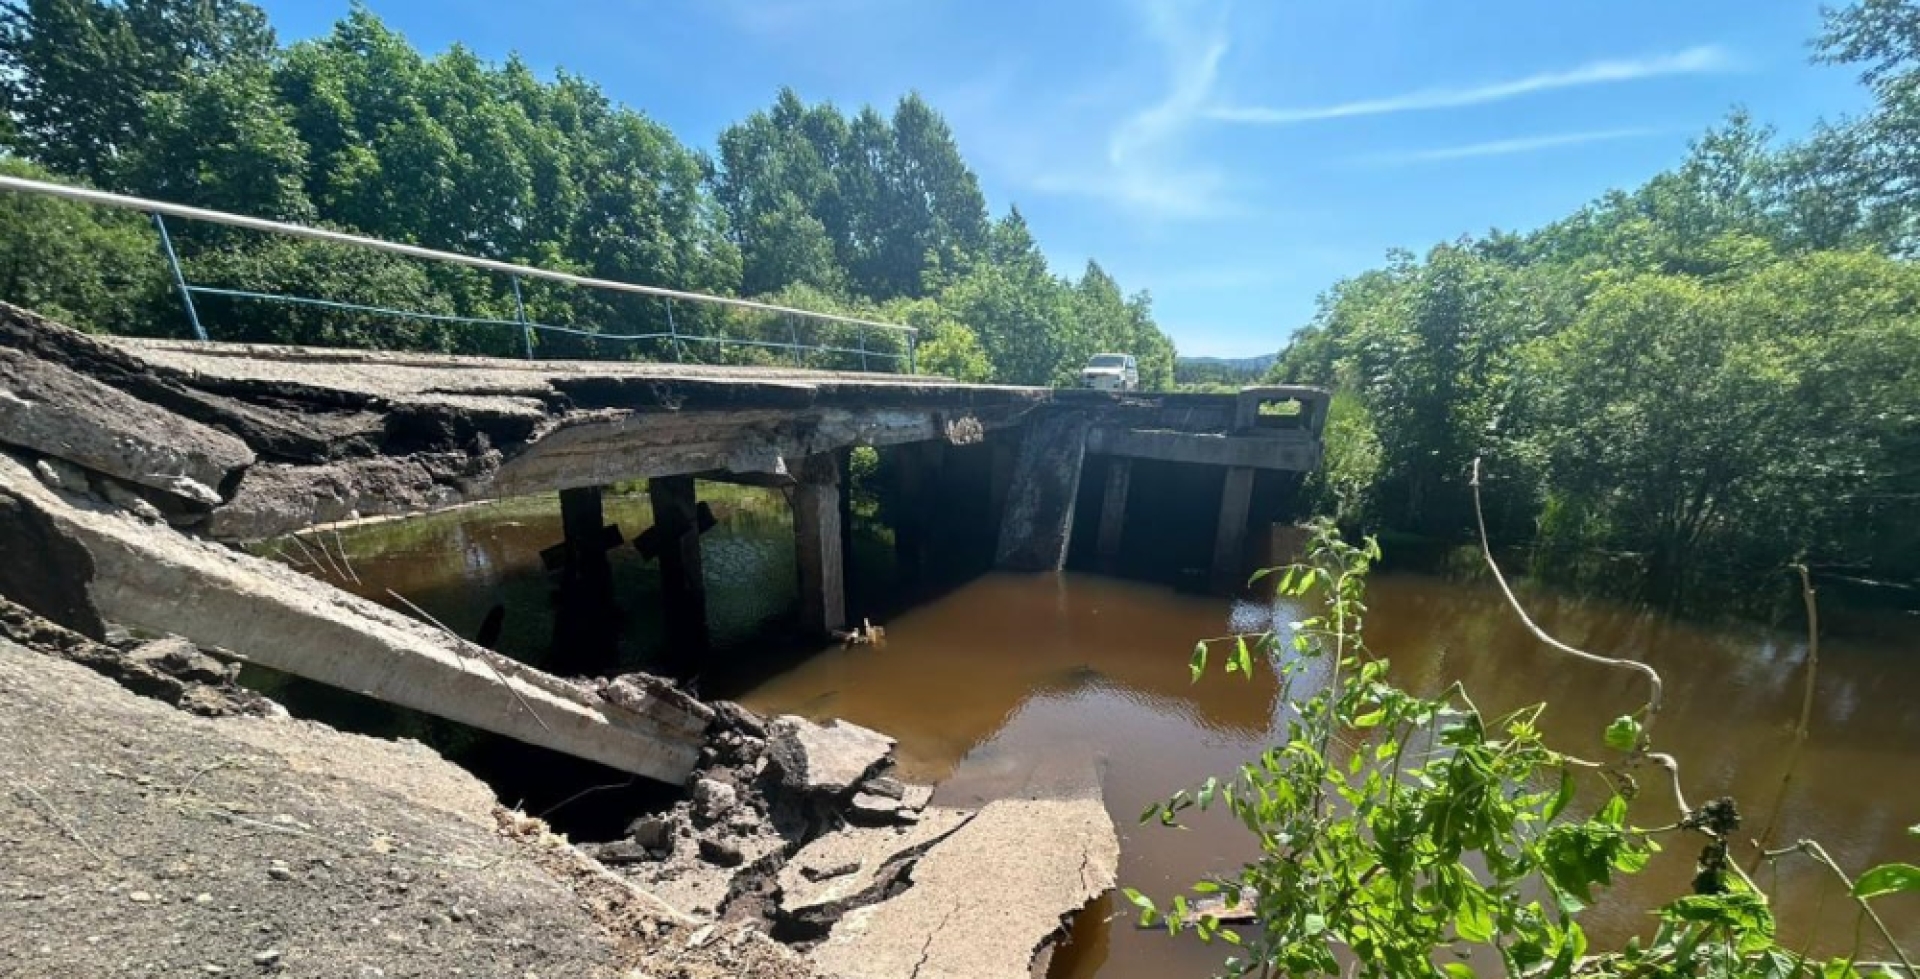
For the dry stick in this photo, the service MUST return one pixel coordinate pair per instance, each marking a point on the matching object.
(302, 545)
(1812, 848)
(331, 563)
(53, 816)
(1486, 547)
(345, 561)
(583, 793)
(1806, 713)
(290, 559)
(460, 642)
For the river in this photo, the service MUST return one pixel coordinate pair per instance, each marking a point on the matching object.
(986, 681)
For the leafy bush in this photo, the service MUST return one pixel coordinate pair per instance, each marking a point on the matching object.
(1400, 833)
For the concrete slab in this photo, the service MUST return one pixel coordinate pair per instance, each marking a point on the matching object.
(843, 868)
(985, 899)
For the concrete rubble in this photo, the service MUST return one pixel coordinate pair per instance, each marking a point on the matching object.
(824, 760)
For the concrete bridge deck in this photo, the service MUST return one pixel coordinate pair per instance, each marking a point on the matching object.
(127, 462)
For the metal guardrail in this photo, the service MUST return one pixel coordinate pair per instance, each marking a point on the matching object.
(677, 338)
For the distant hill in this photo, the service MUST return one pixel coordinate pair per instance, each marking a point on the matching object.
(1221, 370)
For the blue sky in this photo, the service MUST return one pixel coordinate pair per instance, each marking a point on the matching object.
(1233, 159)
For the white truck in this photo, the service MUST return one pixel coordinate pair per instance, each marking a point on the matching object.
(1111, 372)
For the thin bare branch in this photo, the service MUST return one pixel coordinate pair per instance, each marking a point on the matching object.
(54, 817)
(1486, 547)
(1818, 853)
(345, 561)
(1800, 730)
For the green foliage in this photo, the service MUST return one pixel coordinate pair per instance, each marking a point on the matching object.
(1712, 372)
(192, 101)
(1343, 485)
(1398, 832)
(90, 268)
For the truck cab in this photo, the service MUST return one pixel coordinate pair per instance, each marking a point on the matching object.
(1111, 372)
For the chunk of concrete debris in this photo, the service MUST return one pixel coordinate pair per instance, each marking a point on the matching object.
(738, 718)
(181, 659)
(885, 785)
(840, 869)
(713, 800)
(721, 853)
(869, 809)
(1040, 859)
(652, 832)
(617, 852)
(824, 759)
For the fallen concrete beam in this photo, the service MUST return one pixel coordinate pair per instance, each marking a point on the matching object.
(149, 576)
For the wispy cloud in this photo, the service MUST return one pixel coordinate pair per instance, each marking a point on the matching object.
(1144, 168)
(1701, 59)
(1507, 147)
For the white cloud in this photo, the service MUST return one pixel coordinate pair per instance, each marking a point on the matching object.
(1507, 147)
(1695, 60)
(1144, 168)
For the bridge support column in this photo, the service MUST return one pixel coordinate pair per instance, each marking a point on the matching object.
(1113, 506)
(819, 546)
(586, 620)
(683, 588)
(1037, 526)
(1230, 539)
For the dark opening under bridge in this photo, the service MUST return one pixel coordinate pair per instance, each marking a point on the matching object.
(128, 468)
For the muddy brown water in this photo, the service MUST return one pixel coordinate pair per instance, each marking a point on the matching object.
(1009, 674)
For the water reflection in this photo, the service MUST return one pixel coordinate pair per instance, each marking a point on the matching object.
(1015, 674)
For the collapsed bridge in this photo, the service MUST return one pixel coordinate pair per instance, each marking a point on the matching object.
(129, 467)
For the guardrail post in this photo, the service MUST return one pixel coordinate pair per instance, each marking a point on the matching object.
(793, 340)
(913, 344)
(674, 332)
(520, 313)
(863, 347)
(179, 279)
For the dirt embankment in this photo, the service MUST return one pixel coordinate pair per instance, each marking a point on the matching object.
(141, 840)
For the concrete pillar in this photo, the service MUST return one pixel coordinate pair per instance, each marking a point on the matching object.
(1037, 525)
(1113, 506)
(683, 588)
(1230, 540)
(818, 545)
(586, 621)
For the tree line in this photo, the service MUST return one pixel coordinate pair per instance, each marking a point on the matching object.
(196, 102)
(1718, 370)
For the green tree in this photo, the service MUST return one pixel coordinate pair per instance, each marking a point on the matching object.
(90, 268)
(76, 74)
(222, 141)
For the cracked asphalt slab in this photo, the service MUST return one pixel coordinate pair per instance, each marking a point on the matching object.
(998, 889)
